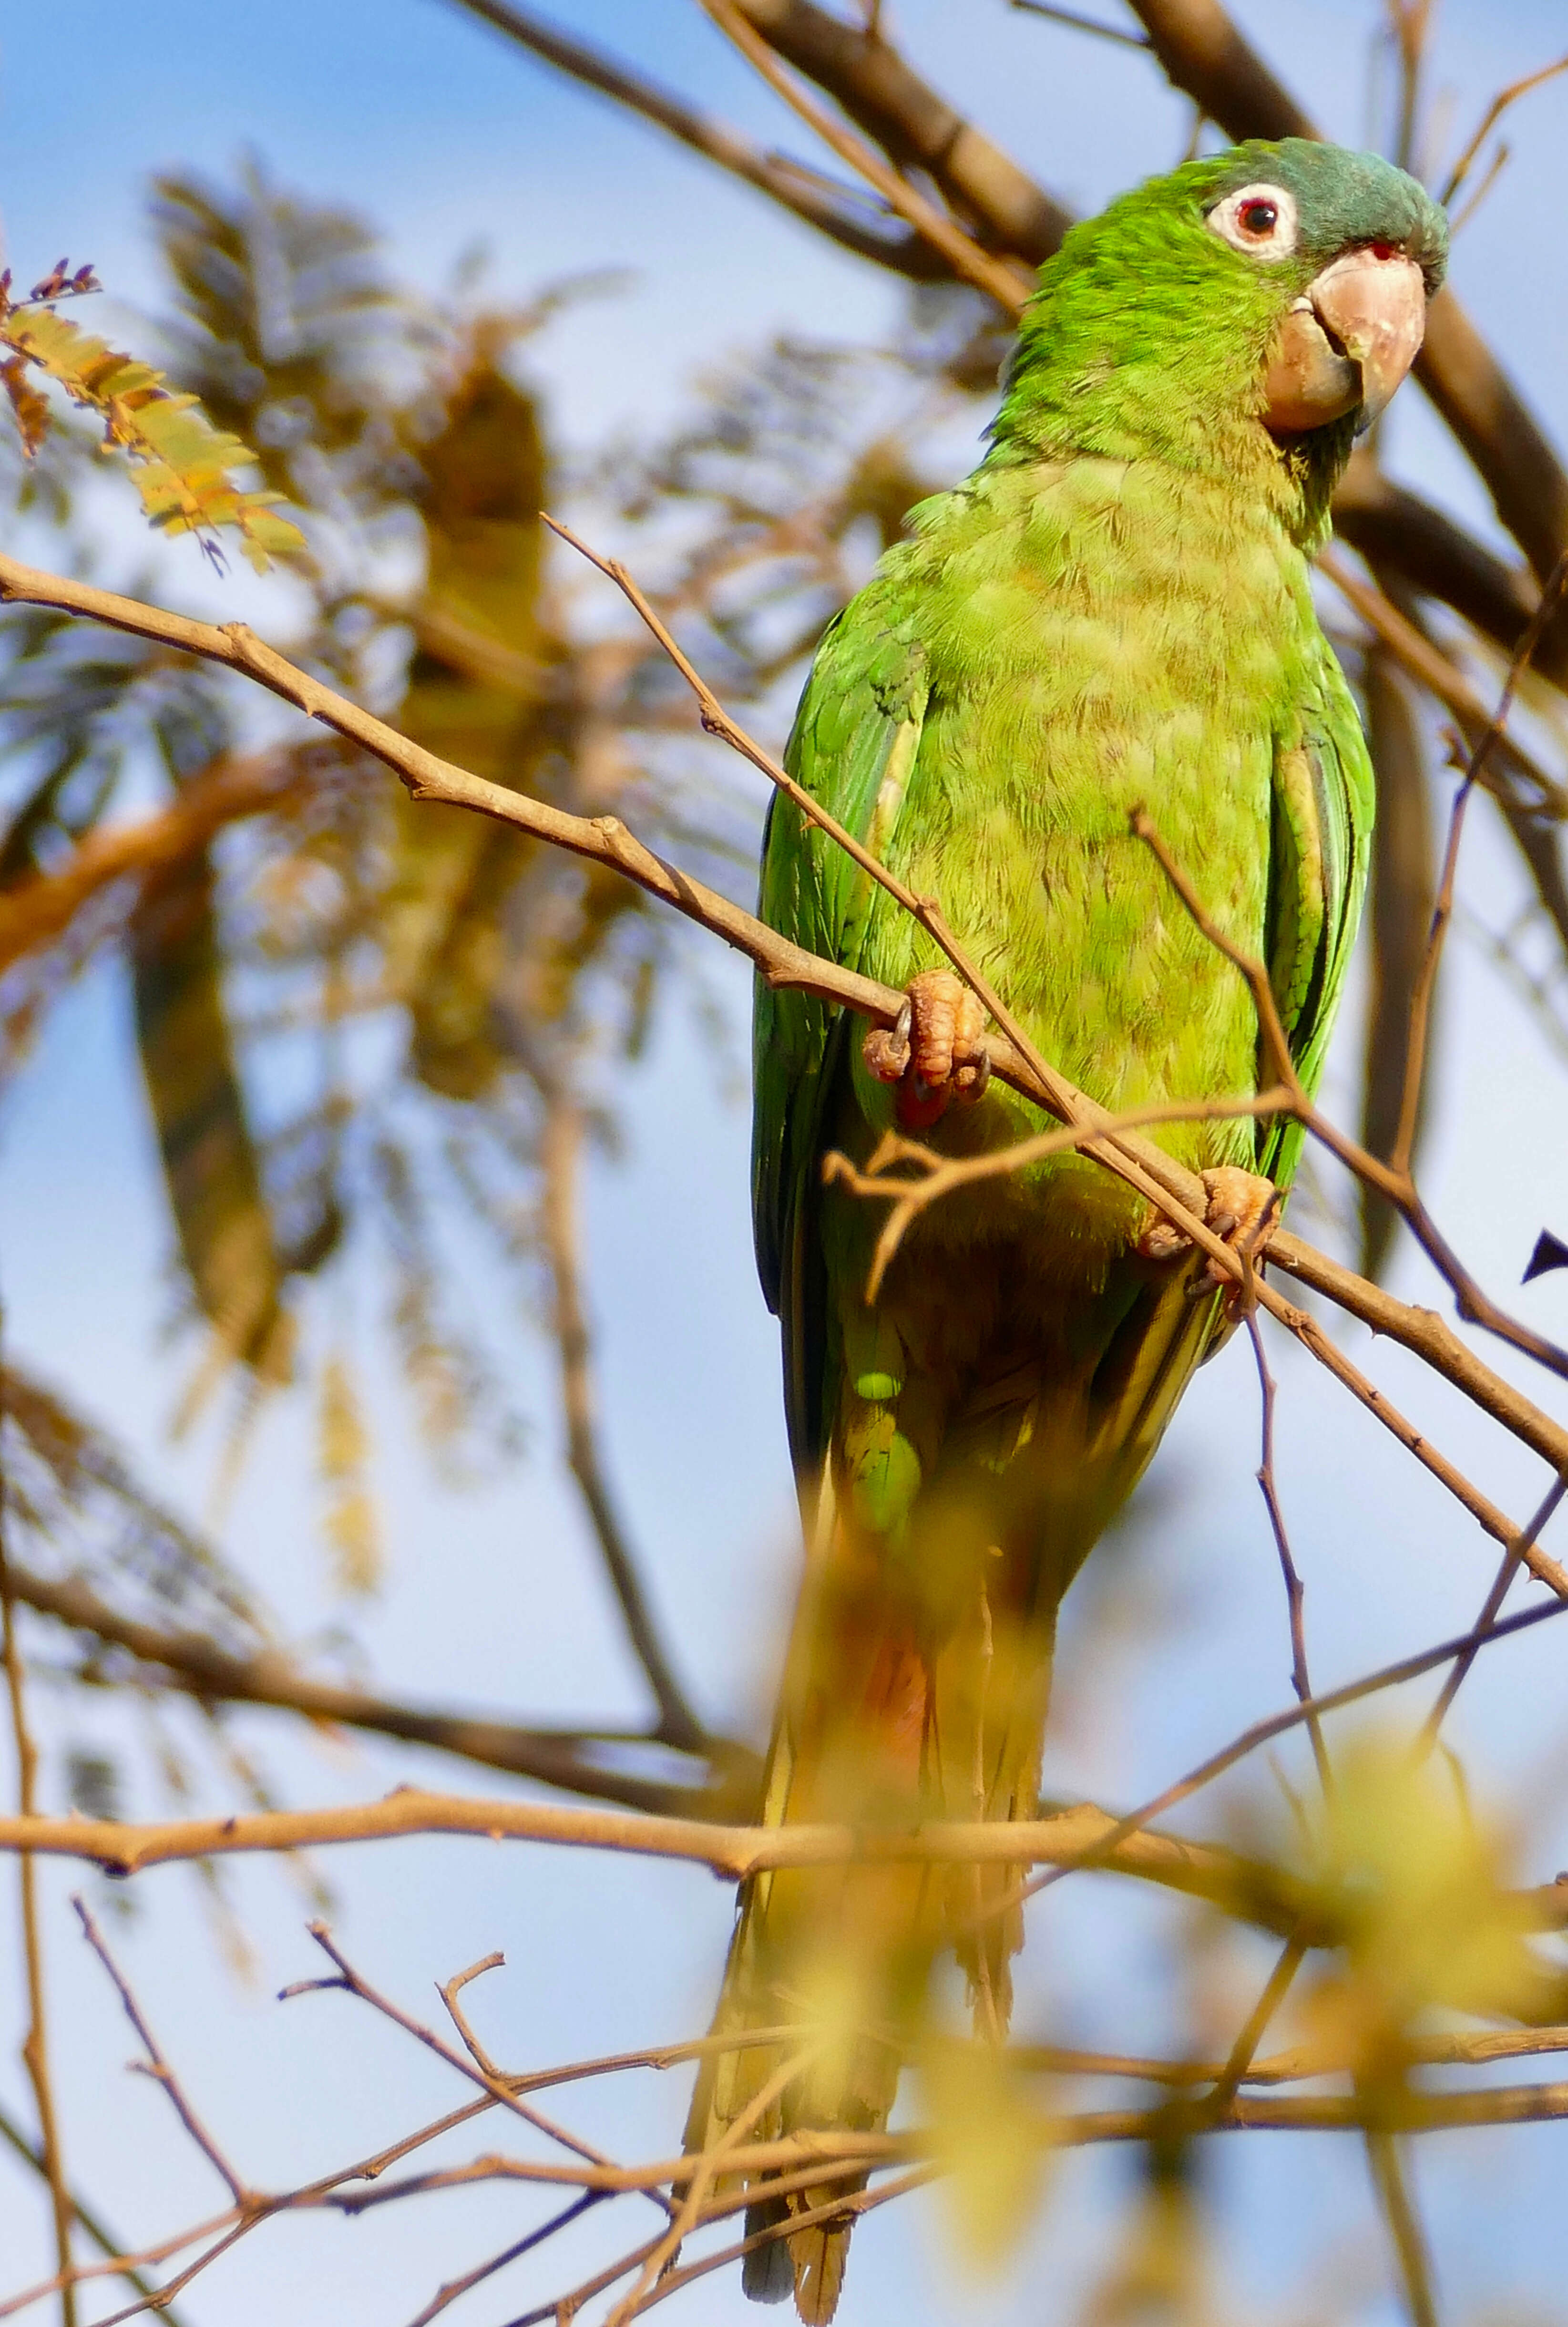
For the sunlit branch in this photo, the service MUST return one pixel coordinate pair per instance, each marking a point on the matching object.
(969, 262)
(1166, 1184)
(799, 191)
(35, 2055)
(1488, 122)
(576, 1759)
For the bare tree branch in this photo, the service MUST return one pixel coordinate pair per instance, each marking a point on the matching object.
(1398, 532)
(36, 2042)
(915, 126)
(92, 2223)
(1008, 286)
(560, 1150)
(1423, 662)
(156, 2065)
(565, 1758)
(1201, 1869)
(1071, 1841)
(1166, 1184)
(1489, 119)
(34, 913)
(834, 213)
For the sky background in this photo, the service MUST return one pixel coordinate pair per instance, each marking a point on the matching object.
(446, 136)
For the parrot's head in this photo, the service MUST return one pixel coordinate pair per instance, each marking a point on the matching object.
(1260, 304)
(1345, 251)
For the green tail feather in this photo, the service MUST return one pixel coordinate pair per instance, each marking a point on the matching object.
(915, 1688)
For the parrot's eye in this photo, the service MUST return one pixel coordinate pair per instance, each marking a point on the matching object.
(1259, 220)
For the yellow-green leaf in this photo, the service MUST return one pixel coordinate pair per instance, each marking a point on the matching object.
(475, 695)
(1415, 1881)
(181, 464)
(992, 2142)
(343, 1456)
(209, 1157)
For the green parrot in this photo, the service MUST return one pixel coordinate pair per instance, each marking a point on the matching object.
(1114, 612)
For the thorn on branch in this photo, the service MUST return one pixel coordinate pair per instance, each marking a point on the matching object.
(1550, 1252)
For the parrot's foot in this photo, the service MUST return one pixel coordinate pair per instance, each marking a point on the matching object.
(935, 1051)
(1243, 1210)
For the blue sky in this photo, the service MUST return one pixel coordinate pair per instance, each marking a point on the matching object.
(432, 127)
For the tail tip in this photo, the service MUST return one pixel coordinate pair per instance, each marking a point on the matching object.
(767, 2273)
(809, 2266)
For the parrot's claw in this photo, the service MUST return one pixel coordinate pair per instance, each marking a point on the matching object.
(1243, 1210)
(934, 1050)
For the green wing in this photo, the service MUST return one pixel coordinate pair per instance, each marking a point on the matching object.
(854, 749)
(1324, 797)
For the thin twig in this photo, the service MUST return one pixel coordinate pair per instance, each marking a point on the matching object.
(1442, 910)
(1512, 1560)
(1276, 1043)
(91, 2222)
(448, 2294)
(1165, 1183)
(1304, 2062)
(475, 2070)
(1488, 121)
(560, 1149)
(1295, 1594)
(1501, 157)
(157, 2067)
(1276, 1988)
(1404, 2227)
(1078, 23)
(448, 1993)
(35, 2043)
(565, 2307)
(968, 260)
(1263, 1733)
(833, 212)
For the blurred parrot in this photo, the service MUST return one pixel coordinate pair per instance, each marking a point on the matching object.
(1113, 611)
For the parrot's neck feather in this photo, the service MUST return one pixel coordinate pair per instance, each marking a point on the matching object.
(1155, 370)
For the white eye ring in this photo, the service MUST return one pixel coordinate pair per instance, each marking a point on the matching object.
(1241, 220)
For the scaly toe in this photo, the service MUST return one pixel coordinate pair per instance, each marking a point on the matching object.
(1242, 1210)
(935, 1052)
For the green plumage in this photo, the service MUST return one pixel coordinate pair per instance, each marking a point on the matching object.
(1114, 612)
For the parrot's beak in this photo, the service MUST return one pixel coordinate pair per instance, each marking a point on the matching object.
(1347, 343)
